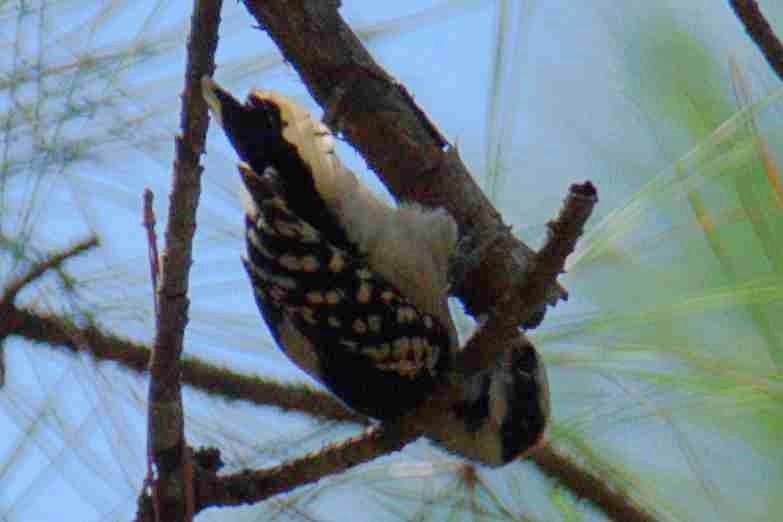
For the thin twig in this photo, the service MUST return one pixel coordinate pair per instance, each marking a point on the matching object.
(250, 486)
(51, 261)
(563, 232)
(173, 488)
(761, 32)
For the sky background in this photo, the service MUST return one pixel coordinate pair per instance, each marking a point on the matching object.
(536, 95)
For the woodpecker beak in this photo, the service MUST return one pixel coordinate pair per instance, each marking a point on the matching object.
(211, 91)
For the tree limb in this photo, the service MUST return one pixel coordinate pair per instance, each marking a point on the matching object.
(760, 32)
(563, 232)
(613, 501)
(172, 493)
(51, 261)
(58, 331)
(103, 346)
(12, 289)
(378, 116)
(250, 486)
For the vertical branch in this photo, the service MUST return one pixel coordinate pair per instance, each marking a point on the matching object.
(148, 222)
(172, 486)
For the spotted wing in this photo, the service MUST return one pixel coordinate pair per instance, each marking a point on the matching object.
(332, 314)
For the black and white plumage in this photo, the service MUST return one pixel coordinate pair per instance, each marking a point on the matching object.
(504, 412)
(322, 252)
(355, 291)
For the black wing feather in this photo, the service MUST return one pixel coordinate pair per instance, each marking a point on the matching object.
(351, 315)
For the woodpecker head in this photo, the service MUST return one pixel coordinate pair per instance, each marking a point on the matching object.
(504, 411)
(521, 389)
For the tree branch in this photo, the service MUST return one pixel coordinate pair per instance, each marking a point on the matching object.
(613, 501)
(760, 32)
(253, 486)
(563, 232)
(172, 491)
(148, 222)
(51, 261)
(250, 486)
(378, 116)
(106, 347)
(12, 289)
(412, 158)
(56, 331)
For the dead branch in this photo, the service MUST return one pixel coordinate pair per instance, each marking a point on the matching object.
(501, 327)
(148, 222)
(172, 488)
(56, 331)
(760, 32)
(250, 486)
